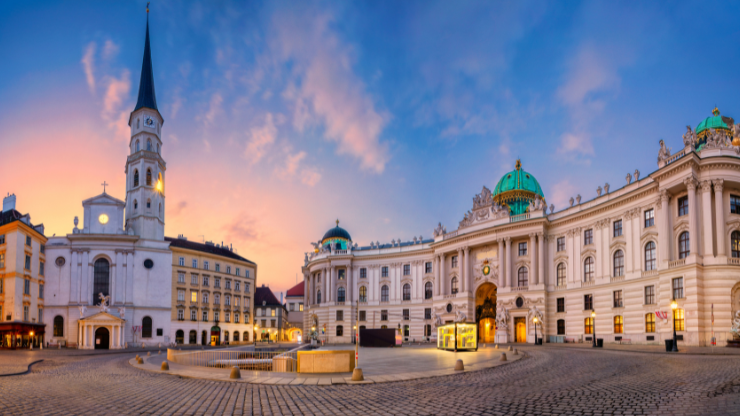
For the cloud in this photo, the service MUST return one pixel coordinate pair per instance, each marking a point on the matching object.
(310, 176)
(110, 49)
(177, 210)
(260, 138)
(561, 193)
(214, 108)
(88, 62)
(242, 229)
(292, 162)
(576, 143)
(328, 92)
(116, 91)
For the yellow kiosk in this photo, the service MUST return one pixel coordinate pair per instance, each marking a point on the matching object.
(459, 336)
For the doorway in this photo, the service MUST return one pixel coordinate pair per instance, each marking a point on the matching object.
(485, 312)
(204, 338)
(520, 329)
(102, 339)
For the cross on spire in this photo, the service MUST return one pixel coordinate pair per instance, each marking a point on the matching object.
(104, 185)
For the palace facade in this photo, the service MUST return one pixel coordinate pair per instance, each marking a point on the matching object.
(613, 265)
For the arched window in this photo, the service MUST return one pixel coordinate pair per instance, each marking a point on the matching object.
(683, 245)
(384, 293)
(236, 336)
(179, 336)
(193, 337)
(428, 290)
(148, 204)
(137, 123)
(407, 292)
(136, 177)
(618, 263)
(561, 274)
(58, 326)
(149, 177)
(146, 328)
(363, 294)
(205, 298)
(318, 296)
(650, 322)
(340, 330)
(245, 336)
(137, 145)
(101, 280)
(523, 277)
(588, 324)
(561, 326)
(453, 285)
(149, 145)
(618, 324)
(340, 294)
(217, 299)
(650, 256)
(735, 243)
(588, 269)
(136, 205)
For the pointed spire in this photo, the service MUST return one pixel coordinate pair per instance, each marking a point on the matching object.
(147, 97)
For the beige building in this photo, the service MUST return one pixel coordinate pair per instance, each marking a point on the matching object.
(212, 293)
(630, 255)
(22, 270)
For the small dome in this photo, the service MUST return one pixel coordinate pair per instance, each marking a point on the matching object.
(714, 122)
(336, 233)
(517, 189)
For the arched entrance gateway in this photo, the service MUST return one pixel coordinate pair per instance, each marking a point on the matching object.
(485, 312)
(102, 339)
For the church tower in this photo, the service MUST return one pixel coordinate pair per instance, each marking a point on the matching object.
(145, 168)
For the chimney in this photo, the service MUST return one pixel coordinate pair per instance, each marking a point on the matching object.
(281, 298)
(9, 203)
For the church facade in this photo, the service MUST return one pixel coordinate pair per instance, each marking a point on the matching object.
(628, 265)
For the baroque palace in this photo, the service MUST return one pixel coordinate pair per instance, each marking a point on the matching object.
(627, 265)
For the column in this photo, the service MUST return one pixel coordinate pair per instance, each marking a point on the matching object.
(85, 290)
(501, 271)
(719, 206)
(706, 209)
(129, 283)
(331, 293)
(664, 234)
(570, 243)
(442, 275)
(599, 258)
(79, 335)
(693, 234)
(350, 285)
(541, 258)
(627, 229)
(532, 259)
(324, 285)
(393, 276)
(119, 278)
(74, 296)
(437, 267)
(467, 285)
(459, 271)
(507, 258)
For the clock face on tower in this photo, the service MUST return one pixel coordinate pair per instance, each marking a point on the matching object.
(149, 122)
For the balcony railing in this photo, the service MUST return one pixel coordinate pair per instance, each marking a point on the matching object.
(734, 261)
(676, 263)
(587, 283)
(616, 279)
(561, 287)
(649, 273)
(520, 288)
(520, 217)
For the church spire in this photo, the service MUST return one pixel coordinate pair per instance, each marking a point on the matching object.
(147, 97)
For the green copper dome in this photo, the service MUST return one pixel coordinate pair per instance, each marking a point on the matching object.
(716, 122)
(517, 189)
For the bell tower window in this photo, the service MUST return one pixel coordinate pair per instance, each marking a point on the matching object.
(148, 203)
(136, 205)
(137, 123)
(148, 177)
(149, 145)
(136, 177)
(137, 145)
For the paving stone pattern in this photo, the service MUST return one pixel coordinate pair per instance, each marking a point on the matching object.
(548, 381)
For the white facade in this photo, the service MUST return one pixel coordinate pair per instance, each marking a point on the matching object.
(603, 248)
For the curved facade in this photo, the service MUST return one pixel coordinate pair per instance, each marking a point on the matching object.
(625, 255)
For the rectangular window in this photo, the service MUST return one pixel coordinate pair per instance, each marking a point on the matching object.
(246, 318)
(27, 287)
(618, 301)
(2, 260)
(205, 316)
(291, 307)
(618, 324)
(246, 273)
(228, 284)
(589, 325)
(678, 288)
(193, 315)
(236, 317)
(363, 316)
(181, 278)
(588, 302)
(561, 304)
(41, 291)
(194, 297)
(180, 315)
(522, 249)
(28, 262)
(246, 302)
(384, 315)
(205, 280)
(216, 282)
(181, 262)
(650, 322)
(588, 237)
(41, 268)
(363, 273)
(428, 267)
(734, 206)
(683, 206)
(228, 316)
(340, 315)
(272, 312)
(41, 315)
(561, 243)
(236, 301)
(454, 261)
(272, 323)
(181, 295)
(28, 240)
(427, 313)
(1, 291)
(678, 320)
(194, 279)
(218, 267)
(561, 326)
(649, 295)
(227, 300)
(649, 218)
(246, 287)
(263, 323)
(228, 269)
(617, 228)
(25, 313)
(406, 269)
(205, 265)
(216, 315)
(406, 315)
(340, 274)
(238, 273)
(237, 286)
(384, 271)
(205, 298)
(2, 239)
(42, 249)
(195, 263)
(300, 307)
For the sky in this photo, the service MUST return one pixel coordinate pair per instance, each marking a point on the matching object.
(281, 117)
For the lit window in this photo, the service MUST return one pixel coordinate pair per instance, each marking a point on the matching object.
(650, 322)
(618, 324)
(194, 297)
(363, 294)
(678, 320)
(589, 325)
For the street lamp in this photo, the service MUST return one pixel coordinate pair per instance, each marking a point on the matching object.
(593, 328)
(674, 306)
(535, 329)
(256, 327)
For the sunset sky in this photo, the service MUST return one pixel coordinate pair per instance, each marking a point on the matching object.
(281, 117)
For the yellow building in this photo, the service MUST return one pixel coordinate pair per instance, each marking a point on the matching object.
(212, 293)
(22, 263)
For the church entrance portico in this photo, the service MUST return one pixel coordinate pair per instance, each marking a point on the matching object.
(101, 331)
(102, 338)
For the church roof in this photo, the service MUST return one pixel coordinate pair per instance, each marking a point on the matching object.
(296, 290)
(205, 248)
(147, 97)
(103, 198)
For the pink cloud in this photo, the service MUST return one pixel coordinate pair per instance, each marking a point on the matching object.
(260, 138)
(88, 60)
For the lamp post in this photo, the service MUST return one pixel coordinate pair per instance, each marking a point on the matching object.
(593, 328)
(256, 327)
(535, 329)
(674, 306)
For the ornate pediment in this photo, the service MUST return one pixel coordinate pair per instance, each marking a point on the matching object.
(484, 209)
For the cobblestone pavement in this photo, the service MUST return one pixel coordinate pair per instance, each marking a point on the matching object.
(549, 381)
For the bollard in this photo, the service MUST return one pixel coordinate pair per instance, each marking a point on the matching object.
(60, 345)
(503, 356)
(459, 366)
(159, 352)
(148, 354)
(165, 366)
(496, 346)
(357, 375)
(235, 373)
(137, 357)
(516, 351)
(509, 349)
(140, 361)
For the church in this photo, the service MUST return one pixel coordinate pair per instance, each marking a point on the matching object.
(109, 280)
